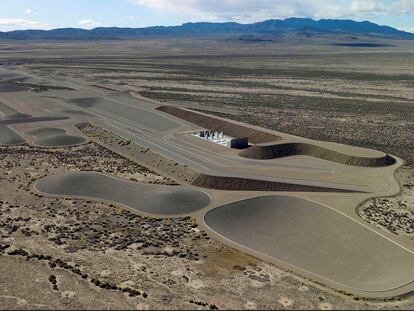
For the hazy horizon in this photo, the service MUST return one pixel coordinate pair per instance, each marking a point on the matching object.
(85, 28)
(47, 14)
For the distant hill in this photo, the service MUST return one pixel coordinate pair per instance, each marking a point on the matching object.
(273, 27)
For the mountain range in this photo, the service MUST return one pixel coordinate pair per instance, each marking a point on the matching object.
(273, 27)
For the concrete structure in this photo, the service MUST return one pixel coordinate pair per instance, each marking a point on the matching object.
(239, 143)
(221, 139)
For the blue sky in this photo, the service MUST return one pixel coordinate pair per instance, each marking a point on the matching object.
(47, 14)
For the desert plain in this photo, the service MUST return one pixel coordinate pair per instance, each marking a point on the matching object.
(93, 250)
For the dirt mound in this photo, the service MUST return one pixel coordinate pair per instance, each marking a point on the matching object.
(9, 137)
(245, 184)
(317, 239)
(17, 115)
(291, 149)
(87, 102)
(59, 141)
(146, 198)
(76, 112)
(54, 137)
(20, 120)
(10, 87)
(215, 124)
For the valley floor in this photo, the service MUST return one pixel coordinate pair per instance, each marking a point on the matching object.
(80, 254)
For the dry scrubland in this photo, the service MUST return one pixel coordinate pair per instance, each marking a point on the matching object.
(359, 96)
(77, 254)
(81, 254)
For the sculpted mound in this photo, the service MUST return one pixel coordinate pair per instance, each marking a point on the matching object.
(318, 240)
(85, 102)
(54, 137)
(11, 116)
(266, 152)
(151, 199)
(12, 87)
(216, 124)
(245, 184)
(8, 136)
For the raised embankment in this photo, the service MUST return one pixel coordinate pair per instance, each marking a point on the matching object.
(215, 124)
(145, 198)
(10, 137)
(265, 152)
(50, 137)
(182, 173)
(246, 184)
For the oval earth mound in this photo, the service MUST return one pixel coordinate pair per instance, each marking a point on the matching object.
(151, 199)
(316, 239)
(60, 141)
(55, 137)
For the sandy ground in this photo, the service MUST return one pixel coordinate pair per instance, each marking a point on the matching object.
(394, 214)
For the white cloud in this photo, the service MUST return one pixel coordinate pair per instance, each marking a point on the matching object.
(403, 6)
(256, 10)
(408, 29)
(88, 23)
(355, 9)
(30, 12)
(367, 7)
(230, 10)
(381, 7)
(19, 23)
(332, 11)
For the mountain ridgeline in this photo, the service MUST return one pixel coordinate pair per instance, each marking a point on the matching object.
(273, 27)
